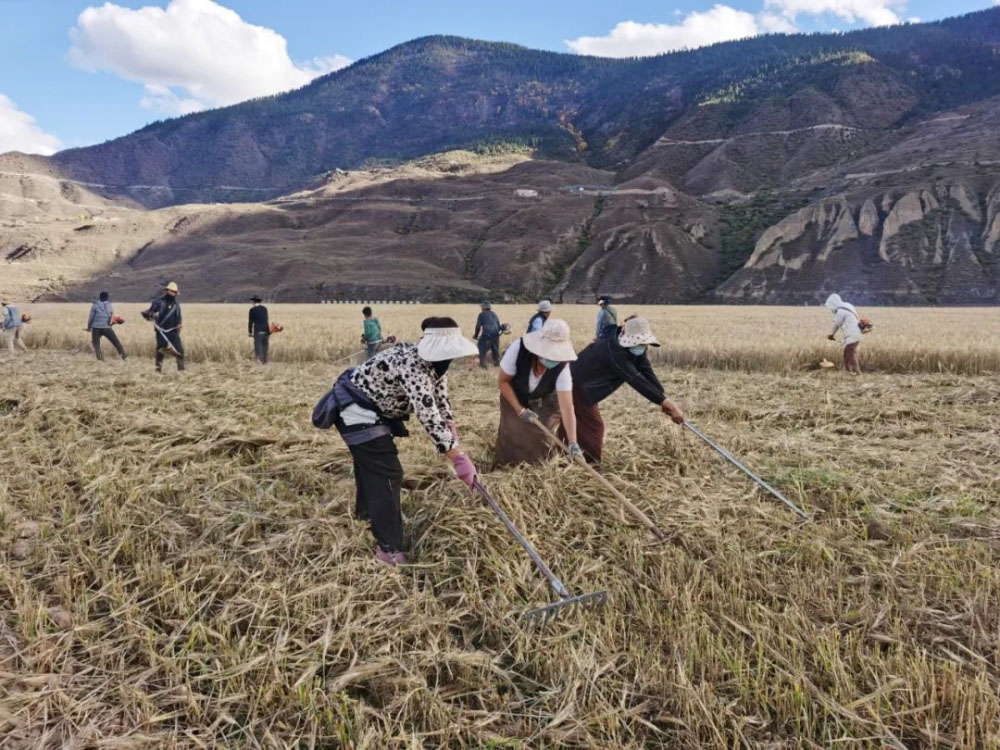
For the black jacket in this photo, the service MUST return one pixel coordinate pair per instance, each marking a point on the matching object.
(487, 325)
(165, 312)
(258, 320)
(603, 366)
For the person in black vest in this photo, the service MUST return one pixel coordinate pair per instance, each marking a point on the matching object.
(488, 335)
(259, 329)
(536, 383)
(601, 369)
(539, 318)
(165, 315)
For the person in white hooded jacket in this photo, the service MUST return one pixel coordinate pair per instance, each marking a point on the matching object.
(845, 318)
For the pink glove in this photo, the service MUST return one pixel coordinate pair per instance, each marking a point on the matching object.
(465, 469)
(454, 430)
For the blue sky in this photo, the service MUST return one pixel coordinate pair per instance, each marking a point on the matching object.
(74, 72)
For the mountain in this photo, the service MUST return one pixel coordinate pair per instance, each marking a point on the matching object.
(772, 169)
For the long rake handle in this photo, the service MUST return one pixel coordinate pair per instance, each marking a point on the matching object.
(535, 557)
(736, 462)
(628, 504)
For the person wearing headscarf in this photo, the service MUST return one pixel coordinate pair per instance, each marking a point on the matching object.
(369, 403)
(602, 368)
(99, 325)
(539, 318)
(607, 319)
(845, 318)
(536, 383)
(487, 333)
(165, 315)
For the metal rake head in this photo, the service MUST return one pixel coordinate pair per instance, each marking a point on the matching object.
(563, 607)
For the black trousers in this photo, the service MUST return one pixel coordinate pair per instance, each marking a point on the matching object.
(378, 479)
(261, 346)
(174, 339)
(96, 334)
(491, 346)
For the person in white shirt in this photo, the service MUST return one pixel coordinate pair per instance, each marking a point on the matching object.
(536, 383)
(845, 318)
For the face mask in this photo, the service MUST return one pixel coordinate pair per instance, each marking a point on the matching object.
(549, 363)
(638, 351)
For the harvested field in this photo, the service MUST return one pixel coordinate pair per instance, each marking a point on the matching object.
(179, 567)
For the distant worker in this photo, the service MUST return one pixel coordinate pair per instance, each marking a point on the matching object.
(539, 318)
(371, 335)
(368, 405)
(165, 315)
(601, 369)
(13, 322)
(536, 383)
(99, 325)
(845, 318)
(488, 335)
(607, 319)
(259, 329)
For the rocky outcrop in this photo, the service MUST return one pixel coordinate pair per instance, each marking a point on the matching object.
(927, 244)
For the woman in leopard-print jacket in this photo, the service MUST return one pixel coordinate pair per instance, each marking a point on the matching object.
(406, 379)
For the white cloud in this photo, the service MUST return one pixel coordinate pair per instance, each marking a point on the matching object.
(190, 55)
(872, 12)
(20, 132)
(718, 24)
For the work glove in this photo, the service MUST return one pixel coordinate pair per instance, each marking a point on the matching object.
(528, 416)
(454, 430)
(465, 470)
(573, 450)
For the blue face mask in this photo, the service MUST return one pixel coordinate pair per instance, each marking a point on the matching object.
(638, 351)
(549, 363)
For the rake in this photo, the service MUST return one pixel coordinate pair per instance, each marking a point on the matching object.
(626, 503)
(567, 602)
(736, 462)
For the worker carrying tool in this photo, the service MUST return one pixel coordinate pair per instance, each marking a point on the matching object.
(487, 334)
(165, 315)
(536, 384)
(100, 324)
(846, 319)
(601, 368)
(368, 405)
(259, 329)
(13, 322)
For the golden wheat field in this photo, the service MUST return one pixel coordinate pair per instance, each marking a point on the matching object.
(179, 566)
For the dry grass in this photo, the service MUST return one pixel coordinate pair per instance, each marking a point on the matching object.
(179, 567)
(771, 339)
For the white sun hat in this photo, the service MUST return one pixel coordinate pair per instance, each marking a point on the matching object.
(440, 344)
(552, 341)
(636, 332)
(544, 306)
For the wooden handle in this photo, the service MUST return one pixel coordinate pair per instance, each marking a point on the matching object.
(628, 504)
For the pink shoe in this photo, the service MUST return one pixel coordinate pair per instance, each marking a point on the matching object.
(392, 559)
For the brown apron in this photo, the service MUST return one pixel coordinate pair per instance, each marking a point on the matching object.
(519, 442)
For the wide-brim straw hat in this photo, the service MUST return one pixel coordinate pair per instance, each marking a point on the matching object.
(172, 287)
(636, 332)
(440, 344)
(544, 306)
(551, 342)
(5, 300)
